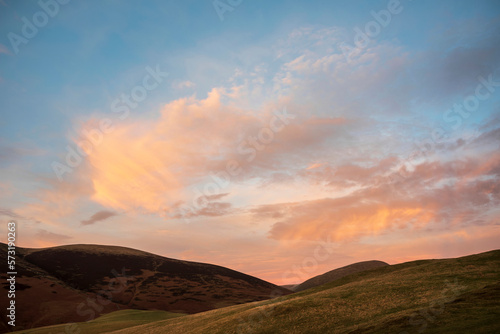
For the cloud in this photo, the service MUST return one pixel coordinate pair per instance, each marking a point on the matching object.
(341, 158)
(56, 200)
(314, 165)
(14, 153)
(433, 195)
(98, 216)
(150, 165)
(216, 197)
(349, 174)
(4, 49)
(8, 213)
(13, 215)
(46, 237)
(185, 84)
(211, 207)
(464, 52)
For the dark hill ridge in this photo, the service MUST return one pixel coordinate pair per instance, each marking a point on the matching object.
(41, 298)
(338, 274)
(87, 266)
(61, 278)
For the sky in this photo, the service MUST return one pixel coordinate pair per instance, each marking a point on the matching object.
(279, 138)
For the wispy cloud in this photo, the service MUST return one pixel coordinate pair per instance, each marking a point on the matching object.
(98, 216)
(435, 195)
(14, 153)
(185, 84)
(4, 49)
(8, 213)
(50, 238)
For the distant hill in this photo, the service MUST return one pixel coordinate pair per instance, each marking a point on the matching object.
(80, 282)
(337, 274)
(428, 296)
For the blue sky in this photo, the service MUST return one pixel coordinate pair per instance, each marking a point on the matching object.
(358, 121)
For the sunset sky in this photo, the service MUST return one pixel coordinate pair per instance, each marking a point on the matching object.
(282, 138)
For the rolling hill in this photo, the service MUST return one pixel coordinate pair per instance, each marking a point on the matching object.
(80, 282)
(436, 296)
(109, 322)
(337, 274)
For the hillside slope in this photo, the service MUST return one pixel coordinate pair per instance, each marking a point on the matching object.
(80, 282)
(108, 322)
(438, 296)
(335, 274)
(43, 299)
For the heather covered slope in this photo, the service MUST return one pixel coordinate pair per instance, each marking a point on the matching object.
(66, 281)
(152, 281)
(439, 296)
(338, 273)
(43, 299)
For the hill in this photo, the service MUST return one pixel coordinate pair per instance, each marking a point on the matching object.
(80, 282)
(108, 322)
(338, 273)
(436, 296)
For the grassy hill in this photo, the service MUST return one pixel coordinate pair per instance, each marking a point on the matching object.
(336, 274)
(78, 283)
(436, 296)
(108, 323)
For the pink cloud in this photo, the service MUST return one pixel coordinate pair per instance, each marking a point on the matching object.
(388, 201)
(150, 165)
(4, 49)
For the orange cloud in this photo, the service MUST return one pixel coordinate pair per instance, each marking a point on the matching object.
(315, 165)
(147, 164)
(128, 170)
(151, 164)
(434, 195)
(315, 220)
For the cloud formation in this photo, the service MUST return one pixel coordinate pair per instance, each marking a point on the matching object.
(8, 213)
(50, 238)
(148, 165)
(348, 164)
(432, 195)
(98, 216)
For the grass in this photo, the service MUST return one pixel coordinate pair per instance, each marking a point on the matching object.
(108, 322)
(471, 312)
(432, 296)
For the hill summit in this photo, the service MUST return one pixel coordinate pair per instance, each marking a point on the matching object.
(339, 273)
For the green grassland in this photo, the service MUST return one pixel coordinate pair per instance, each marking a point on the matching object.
(433, 296)
(107, 323)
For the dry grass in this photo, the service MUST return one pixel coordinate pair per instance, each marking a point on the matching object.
(107, 323)
(371, 301)
(392, 299)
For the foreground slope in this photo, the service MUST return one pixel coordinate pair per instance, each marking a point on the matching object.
(108, 322)
(438, 296)
(79, 282)
(338, 273)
